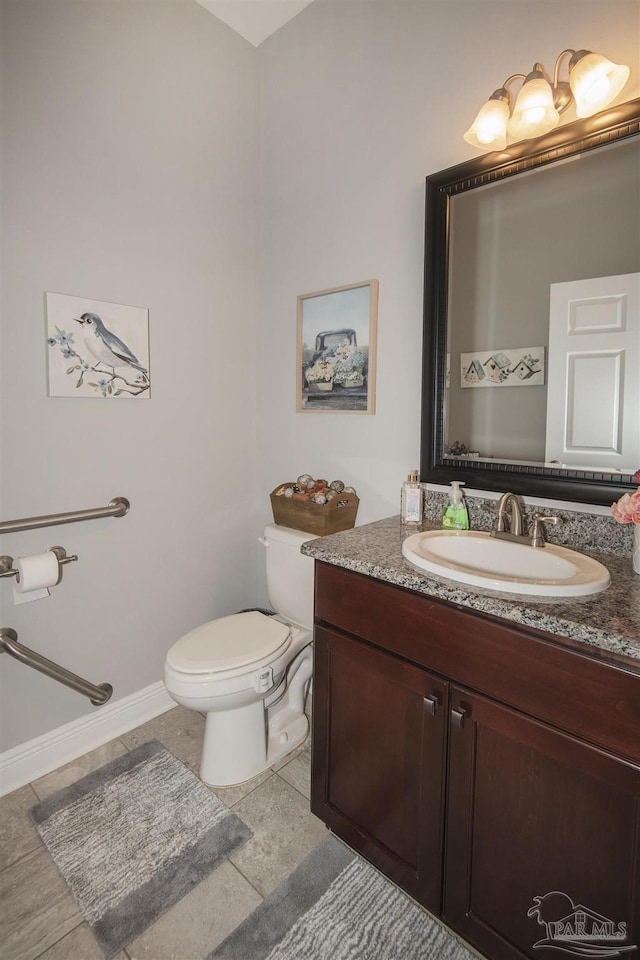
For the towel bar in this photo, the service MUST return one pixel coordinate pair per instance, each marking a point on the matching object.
(117, 507)
(97, 693)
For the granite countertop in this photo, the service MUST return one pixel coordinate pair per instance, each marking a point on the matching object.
(606, 624)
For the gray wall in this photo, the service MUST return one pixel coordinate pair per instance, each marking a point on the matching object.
(129, 171)
(359, 101)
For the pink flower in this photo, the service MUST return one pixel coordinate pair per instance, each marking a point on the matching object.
(627, 508)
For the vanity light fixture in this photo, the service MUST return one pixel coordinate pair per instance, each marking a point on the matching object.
(594, 82)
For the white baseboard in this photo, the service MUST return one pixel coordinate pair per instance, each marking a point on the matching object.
(33, 759)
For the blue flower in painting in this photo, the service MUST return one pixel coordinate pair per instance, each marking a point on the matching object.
(63, 338)
(103, 385)
(67, 351)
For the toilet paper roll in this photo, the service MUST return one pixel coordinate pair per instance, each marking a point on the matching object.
(36, 572)
(29, 597)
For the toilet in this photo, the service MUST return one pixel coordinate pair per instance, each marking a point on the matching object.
(250, 672)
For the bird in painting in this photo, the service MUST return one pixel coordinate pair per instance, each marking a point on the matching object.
(105, 346)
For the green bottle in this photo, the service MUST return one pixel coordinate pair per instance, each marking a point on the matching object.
(455, 516)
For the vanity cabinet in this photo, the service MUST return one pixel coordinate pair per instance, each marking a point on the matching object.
(382, 757)
(478, 765)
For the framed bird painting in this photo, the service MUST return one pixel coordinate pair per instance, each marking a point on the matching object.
(97, 349)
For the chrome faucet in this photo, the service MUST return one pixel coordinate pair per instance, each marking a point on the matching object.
(537, 536)
(515, 525)
(514, 528)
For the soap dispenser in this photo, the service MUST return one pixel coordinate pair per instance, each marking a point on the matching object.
(455, 516)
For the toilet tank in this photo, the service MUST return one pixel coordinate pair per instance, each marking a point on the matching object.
(289, 574)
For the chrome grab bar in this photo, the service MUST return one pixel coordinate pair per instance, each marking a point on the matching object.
(97, 693)
(117, 507)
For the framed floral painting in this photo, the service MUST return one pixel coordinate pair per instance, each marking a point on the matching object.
(336, 349)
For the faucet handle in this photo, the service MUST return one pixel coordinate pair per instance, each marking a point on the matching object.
(537, 535)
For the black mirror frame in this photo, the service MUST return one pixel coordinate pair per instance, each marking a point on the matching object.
(616, 123)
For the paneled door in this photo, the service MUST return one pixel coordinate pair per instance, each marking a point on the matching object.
(593, 392)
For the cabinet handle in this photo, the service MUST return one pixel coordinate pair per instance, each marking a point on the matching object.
(430, 705)
(457, 718)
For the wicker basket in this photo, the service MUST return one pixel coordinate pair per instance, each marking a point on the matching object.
(319, 518)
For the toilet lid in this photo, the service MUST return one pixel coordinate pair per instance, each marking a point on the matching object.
(229, 642)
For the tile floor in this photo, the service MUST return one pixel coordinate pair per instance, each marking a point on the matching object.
(38, 916)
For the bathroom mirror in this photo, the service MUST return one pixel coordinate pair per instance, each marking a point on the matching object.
(531, 355)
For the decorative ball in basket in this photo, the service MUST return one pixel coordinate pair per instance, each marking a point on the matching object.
(315, 506)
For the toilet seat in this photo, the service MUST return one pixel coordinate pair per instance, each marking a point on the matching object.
(230, 644)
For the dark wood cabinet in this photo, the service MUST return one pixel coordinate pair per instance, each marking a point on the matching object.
(379, 760)
(491, 796)
(532, 811)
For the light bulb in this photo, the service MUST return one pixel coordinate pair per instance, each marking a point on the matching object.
(534, 113)
(595, 81)
(598, 90)
(487, 137)
(489, 129)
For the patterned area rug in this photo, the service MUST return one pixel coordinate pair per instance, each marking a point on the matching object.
(132, 838)
(336, 906)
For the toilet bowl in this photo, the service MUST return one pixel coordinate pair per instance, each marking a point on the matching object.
(250, 672)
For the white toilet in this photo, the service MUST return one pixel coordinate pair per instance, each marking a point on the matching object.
(250, 672)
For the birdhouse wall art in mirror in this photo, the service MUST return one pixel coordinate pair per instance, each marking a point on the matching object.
(97, 349)
(532, 279)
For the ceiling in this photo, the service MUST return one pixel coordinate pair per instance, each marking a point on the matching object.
(255, 20)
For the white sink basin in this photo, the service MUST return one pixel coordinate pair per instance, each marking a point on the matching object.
(480, 560)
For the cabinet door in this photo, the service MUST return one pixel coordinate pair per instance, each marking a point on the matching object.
(543, 836)
(378, 753)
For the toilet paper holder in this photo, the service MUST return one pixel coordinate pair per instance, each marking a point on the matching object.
(8, 570)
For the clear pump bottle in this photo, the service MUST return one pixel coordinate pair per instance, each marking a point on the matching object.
(411, 499)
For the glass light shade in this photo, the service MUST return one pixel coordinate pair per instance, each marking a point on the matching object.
(595, 82)
(534, 113)
(489, 129)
